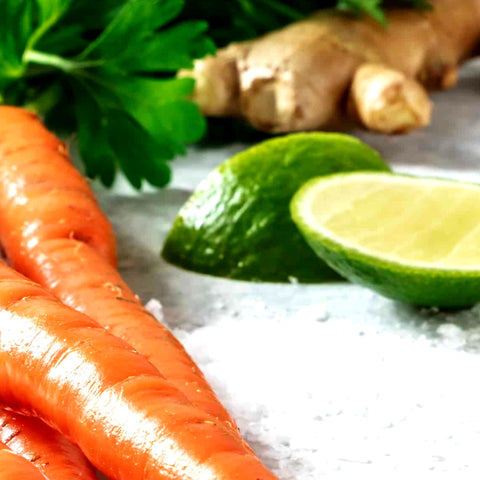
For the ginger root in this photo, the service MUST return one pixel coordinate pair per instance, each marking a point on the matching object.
(387, 100)
(300, 77)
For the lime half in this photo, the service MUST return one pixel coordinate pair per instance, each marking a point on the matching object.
(237, 223)
(411, 239)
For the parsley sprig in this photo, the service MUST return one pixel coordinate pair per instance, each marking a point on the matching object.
(105, 69)
(235, 20)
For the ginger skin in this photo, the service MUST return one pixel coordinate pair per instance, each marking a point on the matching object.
(299, 77)
(388, 101)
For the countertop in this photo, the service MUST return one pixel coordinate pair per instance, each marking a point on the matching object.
(331, 380)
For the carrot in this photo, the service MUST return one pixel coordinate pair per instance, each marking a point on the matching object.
(46, 449)
(60, 365)
(33, 148)
(15, 467)
(54, 232)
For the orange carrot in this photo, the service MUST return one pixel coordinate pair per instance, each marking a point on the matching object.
(28, 149)
(15, 467)
(45, 448)
(54, 232)
(59, 365)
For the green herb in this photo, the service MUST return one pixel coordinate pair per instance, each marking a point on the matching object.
(235, 20)
(375, 8)
(105, 69)
(370, 7)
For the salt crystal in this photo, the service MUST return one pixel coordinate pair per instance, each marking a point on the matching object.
(155, 308)
(341, 399)
(452, 335)
(312, 312)
(219, 305)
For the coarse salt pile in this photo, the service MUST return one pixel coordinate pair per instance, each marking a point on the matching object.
(317, 395)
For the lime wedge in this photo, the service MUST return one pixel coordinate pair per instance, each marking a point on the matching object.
(237, 223)
(411, 239)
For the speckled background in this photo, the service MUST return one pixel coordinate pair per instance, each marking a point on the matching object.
(327, 380)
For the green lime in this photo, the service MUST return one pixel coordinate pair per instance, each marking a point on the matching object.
(237, 223)
(411, 239)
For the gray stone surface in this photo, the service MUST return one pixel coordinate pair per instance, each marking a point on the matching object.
(437, 437)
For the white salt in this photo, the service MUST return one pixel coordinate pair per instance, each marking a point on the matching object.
(317, 395)
(155, 308)
(452, 335)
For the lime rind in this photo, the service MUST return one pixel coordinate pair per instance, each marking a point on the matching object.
(416, 283)
(326, 233)
(237, 222)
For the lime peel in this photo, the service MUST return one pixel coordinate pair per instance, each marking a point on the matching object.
(237, 223)
(426, 283)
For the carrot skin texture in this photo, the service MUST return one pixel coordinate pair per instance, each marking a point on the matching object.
(48, 450)
(15, 467)
(61, 366)
(61, 265)
(53, 232)
(30, 153)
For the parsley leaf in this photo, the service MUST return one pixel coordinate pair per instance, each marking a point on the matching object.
(236, 20)
(110, 66)
(105, 69)
(15, 28)
(370, 7)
